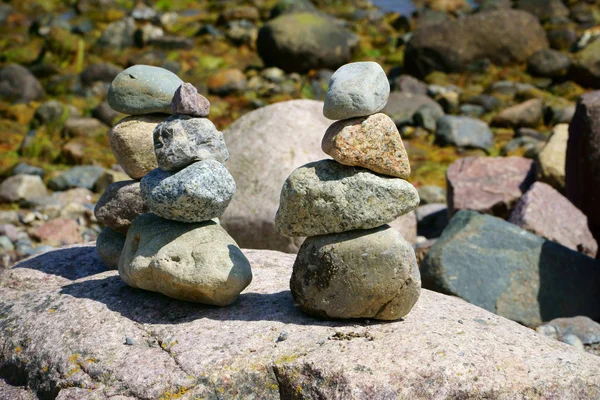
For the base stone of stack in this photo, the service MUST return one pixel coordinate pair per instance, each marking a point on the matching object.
(109, 245)
(444, 349)
(358, 274)
(197, 193)
(194, 262)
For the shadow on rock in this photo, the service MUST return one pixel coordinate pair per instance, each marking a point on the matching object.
(154, 308)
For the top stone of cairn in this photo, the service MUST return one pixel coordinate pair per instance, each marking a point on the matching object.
(356, 90)
(143, 89)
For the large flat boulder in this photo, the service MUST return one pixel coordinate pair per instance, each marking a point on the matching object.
(506, 270)
(453, 45)
(70, 330)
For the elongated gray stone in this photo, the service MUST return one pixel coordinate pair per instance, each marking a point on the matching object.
(356, 90)
(143, 89)
(358, 274)
(197, 193)
(327, 197)
(182, 140)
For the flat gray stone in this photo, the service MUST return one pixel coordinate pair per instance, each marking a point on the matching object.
(109, 246)
(194, 262)
(143, 89)
(356, 90)
(358, 274)
(464, 132)
(197, 193)
(182, 140)
(327, 197)
(444, 348)
(119, 205)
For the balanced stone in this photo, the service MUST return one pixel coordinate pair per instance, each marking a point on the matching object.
(182, 140)
(132, 144)
(327, 197)
(357, 274)
(197, 193)
(109, 246)
(143, 89)
(356, 90)
(196, 262)
(370, 142)
(187, 101)
(119, 205)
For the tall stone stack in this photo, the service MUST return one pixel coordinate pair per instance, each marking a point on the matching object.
(174, 243)
(352, 264)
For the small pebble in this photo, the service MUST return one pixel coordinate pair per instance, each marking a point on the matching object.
(282, 336)
(129, 341)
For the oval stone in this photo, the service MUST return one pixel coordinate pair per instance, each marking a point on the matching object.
(327, 197)
(357, 274)
(143, 89)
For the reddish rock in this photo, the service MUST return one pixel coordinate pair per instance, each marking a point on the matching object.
(582, 170)
(407, 226)
(546, 212)
(58, 232)
(489, 185)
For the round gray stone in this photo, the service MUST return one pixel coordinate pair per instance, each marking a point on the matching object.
(119, 205)
(182, 140)
(143, 89)
(109, 246)
(356, 90)
(196, 262)
(197, 193)
(327, 197)
(357, 274)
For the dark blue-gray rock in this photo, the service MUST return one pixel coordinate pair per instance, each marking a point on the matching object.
(18, 85)
(463, 132)
(182, 140)
(117, 35)
(506, 270)
(299, 42)
(357, 89)
(197, 193)
(327, 197)
(549, 63)
(494, 35)
(109, 246)
(119, 205)
(143, 89)
(525, 145)
(77, 177)
(358, 274)
(26, 169)
(100, 72)
(489, 102)
(402, 106)
(472, 110)
(432, 219)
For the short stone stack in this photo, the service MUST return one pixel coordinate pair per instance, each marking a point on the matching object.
(352, 264)
(174, 243)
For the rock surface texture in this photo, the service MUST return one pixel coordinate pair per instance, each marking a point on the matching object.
(327, 197)
(125, 343)
(500, 267)
(119, 205)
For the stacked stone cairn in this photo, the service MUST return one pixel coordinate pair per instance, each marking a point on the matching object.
(353, 265)
(163, 232)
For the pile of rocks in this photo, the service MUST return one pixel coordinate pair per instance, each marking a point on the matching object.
(353, 265)
(174, 243)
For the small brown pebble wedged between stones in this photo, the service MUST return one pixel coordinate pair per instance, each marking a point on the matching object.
(187, 101)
